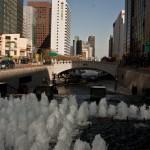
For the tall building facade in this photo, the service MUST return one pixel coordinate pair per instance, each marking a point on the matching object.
(86, 48)
(43, 24)
(29, 23)
(11, 16)
(91, 41)
(20, 16)
(1, 14)
(118, 36)
(137, 27)
(76, 38)
(110, 45)
(61, 26)
(79, 47)
(128, 22)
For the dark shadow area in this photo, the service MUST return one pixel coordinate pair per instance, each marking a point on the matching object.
(45, 45)
(119, 135)
(80, 75)
(3, 89)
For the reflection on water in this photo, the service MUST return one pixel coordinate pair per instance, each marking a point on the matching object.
(82, 92)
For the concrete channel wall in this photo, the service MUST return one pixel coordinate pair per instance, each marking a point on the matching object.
(134, 78)
(31, 76)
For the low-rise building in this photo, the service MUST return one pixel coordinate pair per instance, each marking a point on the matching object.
(12, 45)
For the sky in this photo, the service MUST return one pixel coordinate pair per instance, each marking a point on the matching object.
(95, 17)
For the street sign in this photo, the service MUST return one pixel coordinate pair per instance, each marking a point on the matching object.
(52, 54)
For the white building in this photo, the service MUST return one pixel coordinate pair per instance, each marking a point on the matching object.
(14, 46)
(61, 25)
(118, 36)
(29, 23)
(88, 49)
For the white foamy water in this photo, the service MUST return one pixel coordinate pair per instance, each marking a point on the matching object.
(27, 124)
(99, 143)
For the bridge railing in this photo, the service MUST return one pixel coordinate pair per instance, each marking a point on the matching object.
(82, 62)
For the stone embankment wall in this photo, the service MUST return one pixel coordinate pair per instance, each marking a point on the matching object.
(134, 78)
(31, 76)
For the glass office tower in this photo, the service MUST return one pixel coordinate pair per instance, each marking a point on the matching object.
(11, 16)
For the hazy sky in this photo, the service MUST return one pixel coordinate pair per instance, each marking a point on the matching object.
(95, 17)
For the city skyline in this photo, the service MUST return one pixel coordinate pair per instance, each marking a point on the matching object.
(98, 22)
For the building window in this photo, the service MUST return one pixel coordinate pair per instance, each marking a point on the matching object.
(7, 37)
(15, 52)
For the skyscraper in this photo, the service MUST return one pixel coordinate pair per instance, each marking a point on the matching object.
(118, 36)
(137, 27)
(29, 23)
(1, 14)
(61, 25)
(91, 41)
(110, 45)
(20, 16)
(79, 47)
(76, 38)
(128, 23)
(11, 16)
(43, 24)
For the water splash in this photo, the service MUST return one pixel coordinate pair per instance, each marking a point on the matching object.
(80, 145)
(99, 143)
(103, 108)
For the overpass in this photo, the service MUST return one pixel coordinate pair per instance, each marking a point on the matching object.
(58, 67)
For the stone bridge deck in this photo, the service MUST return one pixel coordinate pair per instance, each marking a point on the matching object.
(59, 67)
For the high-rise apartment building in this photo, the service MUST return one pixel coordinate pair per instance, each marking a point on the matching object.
(118, 36)
(11, 16)
(43, 24)
(29, 23)
(137, 27)
(91, 41)
(61, 25)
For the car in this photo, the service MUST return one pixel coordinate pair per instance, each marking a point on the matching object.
(5, 64)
